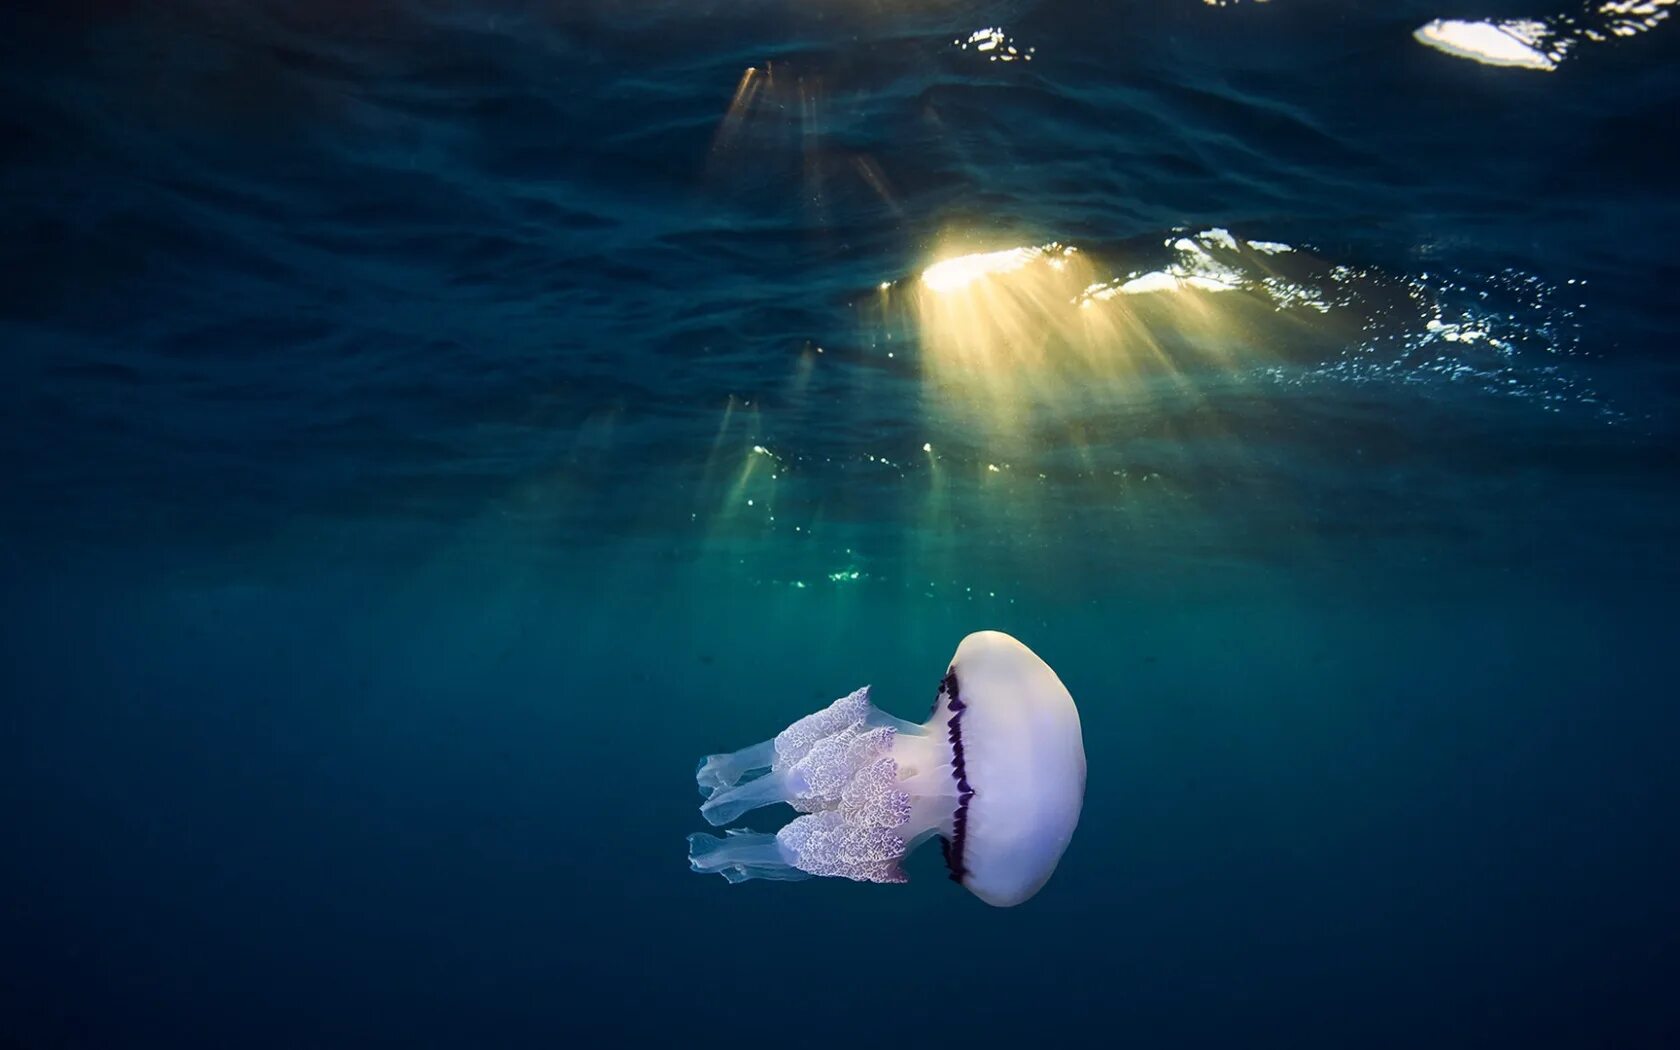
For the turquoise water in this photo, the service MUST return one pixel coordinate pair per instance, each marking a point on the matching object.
(431, 428)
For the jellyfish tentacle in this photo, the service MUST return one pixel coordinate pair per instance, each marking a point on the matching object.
(729, 804)
(742, 855)
(717, 772)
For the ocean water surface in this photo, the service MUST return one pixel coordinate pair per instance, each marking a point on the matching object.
(429, 427)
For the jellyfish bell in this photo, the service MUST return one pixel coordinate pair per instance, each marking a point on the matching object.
(997, 773)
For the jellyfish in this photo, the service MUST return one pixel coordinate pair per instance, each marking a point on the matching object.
(997, 773)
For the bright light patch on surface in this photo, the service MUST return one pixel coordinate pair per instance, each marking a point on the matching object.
(1511, 44)
(1159, 281)
(1627, 17)
(1210, 261)
(995, 45)
(1542, 44)
(964, 270)
(1195, 281)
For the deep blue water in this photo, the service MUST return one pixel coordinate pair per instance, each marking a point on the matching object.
(430, 427)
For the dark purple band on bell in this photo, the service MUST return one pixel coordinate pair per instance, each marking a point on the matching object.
(953, 846)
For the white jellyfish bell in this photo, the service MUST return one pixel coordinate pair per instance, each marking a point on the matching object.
(997, 772)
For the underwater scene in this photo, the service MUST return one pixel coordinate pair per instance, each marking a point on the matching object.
(839, 523)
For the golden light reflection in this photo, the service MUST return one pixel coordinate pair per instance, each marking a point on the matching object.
(1041, 335)
(753, 80)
